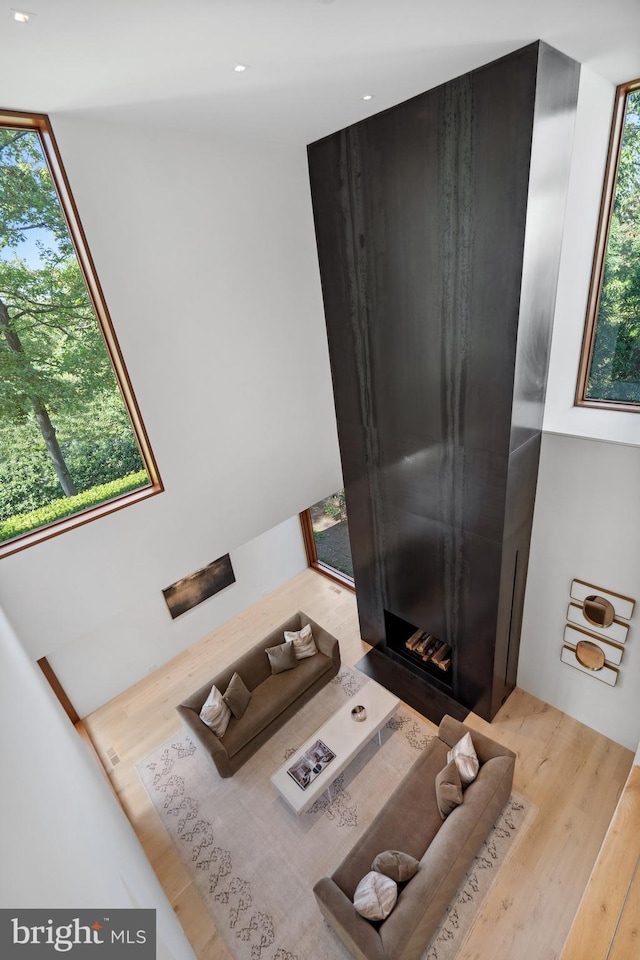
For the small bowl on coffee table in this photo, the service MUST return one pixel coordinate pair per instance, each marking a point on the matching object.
(359, 712)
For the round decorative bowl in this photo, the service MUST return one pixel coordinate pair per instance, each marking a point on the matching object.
(359, 713)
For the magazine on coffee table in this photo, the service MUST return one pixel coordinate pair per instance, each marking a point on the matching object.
(311, 763)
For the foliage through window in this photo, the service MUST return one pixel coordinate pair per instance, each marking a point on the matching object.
(610, 369)
(68, 444)
(326, 533)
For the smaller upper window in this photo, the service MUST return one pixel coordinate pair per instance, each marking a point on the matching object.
(610, 364)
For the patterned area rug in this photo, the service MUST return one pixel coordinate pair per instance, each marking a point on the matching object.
(255, 862)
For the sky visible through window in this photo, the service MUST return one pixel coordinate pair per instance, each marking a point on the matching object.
(66, 439)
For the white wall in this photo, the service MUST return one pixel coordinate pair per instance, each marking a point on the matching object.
(587, 508)
(65, 841)
(206, 252)
(586, 524)
(107, 656)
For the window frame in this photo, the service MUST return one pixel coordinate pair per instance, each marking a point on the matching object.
(40, 123)
(312, 554)
(602, 240)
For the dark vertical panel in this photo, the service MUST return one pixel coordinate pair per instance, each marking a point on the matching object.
(438, 253)
(557, 81)
(518, 518)
(556, 95)
(335, 173)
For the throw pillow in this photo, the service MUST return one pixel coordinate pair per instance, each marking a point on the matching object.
(303, 643)
(375, 896)
(448, 789)
(236, 696)
(466, 759)
(397, 865)
(282, 657)
(215, 712)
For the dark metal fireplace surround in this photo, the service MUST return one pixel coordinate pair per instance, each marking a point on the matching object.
(438, 226)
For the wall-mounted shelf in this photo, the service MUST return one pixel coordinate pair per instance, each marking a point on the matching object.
(623, 605)
(606, 674)
(616, 633)
(574, 635)
(596, 631)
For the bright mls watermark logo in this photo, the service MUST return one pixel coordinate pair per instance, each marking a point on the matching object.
(33, 934)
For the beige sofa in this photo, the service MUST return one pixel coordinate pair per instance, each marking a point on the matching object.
(410, 822)
(274, 698)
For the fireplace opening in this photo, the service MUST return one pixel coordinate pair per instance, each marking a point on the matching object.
(425, 654)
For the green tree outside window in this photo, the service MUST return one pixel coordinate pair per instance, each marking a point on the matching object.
(65, 428)
(614, 371)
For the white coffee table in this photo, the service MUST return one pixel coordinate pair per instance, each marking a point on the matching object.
(345, 737)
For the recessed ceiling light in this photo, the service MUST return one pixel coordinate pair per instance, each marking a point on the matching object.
(241, 67)
(20, 16)
(367, 96)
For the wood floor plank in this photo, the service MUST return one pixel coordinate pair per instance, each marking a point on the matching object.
(572, 774)
(626, 942)
(608, 918)
(569, 772)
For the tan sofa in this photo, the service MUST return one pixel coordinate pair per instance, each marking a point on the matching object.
(274, 698)
(410, 822)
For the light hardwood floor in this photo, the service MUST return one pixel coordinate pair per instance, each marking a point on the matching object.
(573, 775)
(607, 925)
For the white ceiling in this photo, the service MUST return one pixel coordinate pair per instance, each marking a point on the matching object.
(171, 61)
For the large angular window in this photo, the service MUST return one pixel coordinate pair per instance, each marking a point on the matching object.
(72, 443)
(610, 364)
